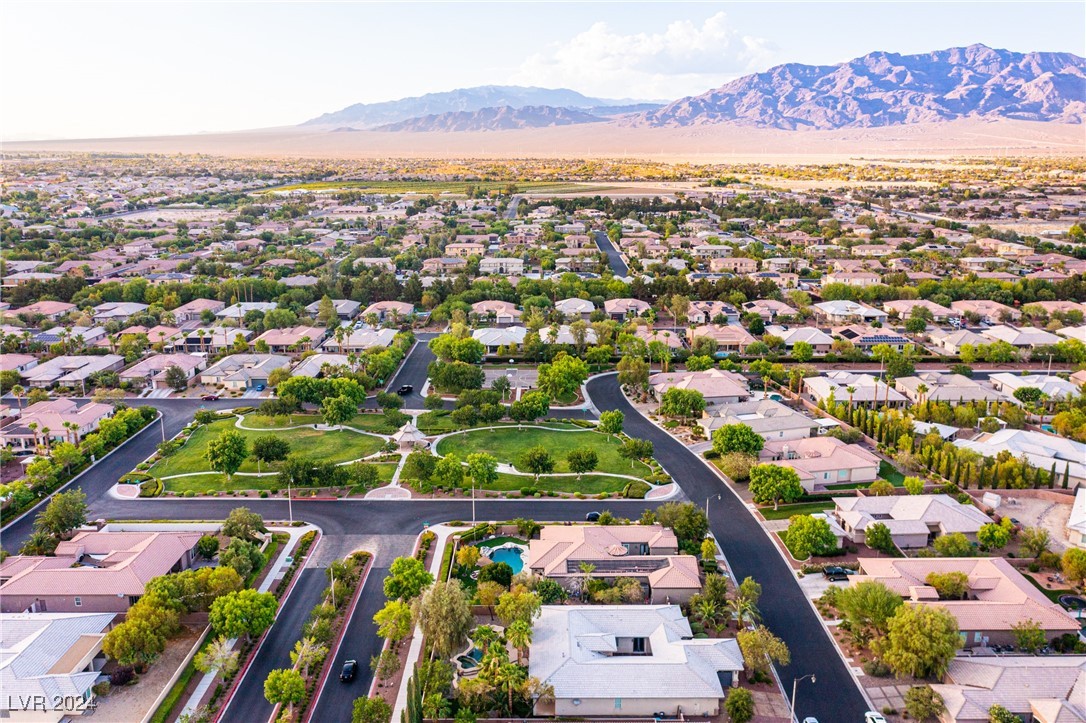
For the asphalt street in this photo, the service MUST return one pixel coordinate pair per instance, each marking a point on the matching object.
(413, 371)
(750, 552)
(614, 259)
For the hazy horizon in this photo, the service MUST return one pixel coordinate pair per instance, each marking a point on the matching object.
(114, 69)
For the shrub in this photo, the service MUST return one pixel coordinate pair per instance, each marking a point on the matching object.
(151, 488)
(102, 688)
(135, 478)
(122, 676)
(876, 668)
(1048, 559)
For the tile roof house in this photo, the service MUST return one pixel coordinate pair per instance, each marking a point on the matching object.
(844, 312)
(913, 520)
(728, 337)
(1053, 387)
(502, 266)
(359, 340)
(998, 598)
(647, 553)
(823, 461)
(94, 571)
(769, 418)
(939, 387)
(820, 341)
(51, 310)
(868, 390)
(493, 338)
(117, 311)
(211, 339)
(345, 308)
(952, 342)
(389, 310)
(623, 660)
(243, 371)
(152, 369)
(622, 309)
(1076, 521)
(1051, 689)
(52, 415)
(193, 310)
(569, 308)
(501, 313)
(716, 385)
(71, 371)
(1042, 450)
(904, 309)
(768, 309)
(990, 312)
(1026, 337)
(705, 312)
(866, 338)
(293, 339)
(50, 658)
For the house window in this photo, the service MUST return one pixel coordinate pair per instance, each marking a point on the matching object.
(639, 645)
(79, 602)
(618, 703)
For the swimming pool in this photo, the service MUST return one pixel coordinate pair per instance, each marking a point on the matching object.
(510, 556)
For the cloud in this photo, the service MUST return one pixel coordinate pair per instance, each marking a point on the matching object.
(683, 59)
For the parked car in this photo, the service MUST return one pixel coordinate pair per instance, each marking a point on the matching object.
(873, 717)
(260, 387)
(210, 398)
(835, 574)
(349, 669)
(404, 390)
(592, 517)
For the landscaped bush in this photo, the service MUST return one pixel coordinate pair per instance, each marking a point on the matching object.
(133, 478)
(151, 488)
(122, 676)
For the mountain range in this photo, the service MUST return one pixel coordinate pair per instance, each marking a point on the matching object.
(371, 115)
(875, 90)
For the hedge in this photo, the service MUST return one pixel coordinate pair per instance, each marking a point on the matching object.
(151, 488)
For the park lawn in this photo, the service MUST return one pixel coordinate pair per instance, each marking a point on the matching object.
(215, 482)
(507, 446)
(589, 484)
(804, 508)
(375, 423)
(263, 421)
(332, 446)
(385, 470)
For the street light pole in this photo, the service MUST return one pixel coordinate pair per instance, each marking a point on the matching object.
(290, 503)
(707, 504)
(162, 424)
(794, 682)
(473, 503)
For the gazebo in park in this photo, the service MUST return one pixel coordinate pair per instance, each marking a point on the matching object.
(409, 436)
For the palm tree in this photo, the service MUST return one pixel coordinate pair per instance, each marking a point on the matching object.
(519, 635)
(851, 391)
(48, 440)
(72, 428)
(743, 610)
(33, 427)
(706, 610)
(922, 389)
(508, 678)
(18, 392)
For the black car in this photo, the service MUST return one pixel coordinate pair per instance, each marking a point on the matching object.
(405, 390)
(835, 574)
(349, 669)
(592, 517)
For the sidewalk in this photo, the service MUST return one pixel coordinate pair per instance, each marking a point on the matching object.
(274, 572)
(413, 653)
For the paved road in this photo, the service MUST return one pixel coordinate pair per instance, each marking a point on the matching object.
(248, 702)
(614, 259)
(749, 550)
(511, 209)
(413, 371)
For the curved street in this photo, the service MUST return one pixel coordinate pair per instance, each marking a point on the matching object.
(388, 528)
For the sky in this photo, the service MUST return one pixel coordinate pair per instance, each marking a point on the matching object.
(92, 69)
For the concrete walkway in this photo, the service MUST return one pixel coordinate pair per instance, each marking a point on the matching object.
(415, 651)
(274, 572)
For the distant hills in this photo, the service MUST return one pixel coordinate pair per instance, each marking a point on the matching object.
(875, 90)
(469, 100)
(881, 89)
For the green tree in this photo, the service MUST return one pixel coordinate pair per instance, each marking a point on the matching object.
(808, 535)
(582, 460)
(394, 620)
(634, 449)
(953, 545)
(67, 455)
(518, 604)
(444, 616)
(407, 578)
(326, 311)
(65, 512)
(773, 483)
(877, 536)
(244, 523)
(1073, 563)
(611, 422)
(563, 376)
(682, 403)
(914, 485)
(761, 649)
(802, 351)
(219, 656)
(308, 653)
(284, 686)
(207, 546)
(226, 452)
(242, 555)
(449, 472)
(737, 438)
(686, 520)
(922, 703)
(176, 378)
(483, 469)
(270, 448)
(739, 705)
(519, 635)
(530, 407)
(1034, 540)
(243, 613)
(868, 608)
(338, 410)
(999, 714)
(371, 710)
(880, 488)
(1029, 636)
(993, 537)
(536, 460)
(951, 585)
(39, 542)
(920, 641)
(633, 372)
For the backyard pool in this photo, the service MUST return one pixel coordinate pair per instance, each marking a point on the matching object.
(510, 556)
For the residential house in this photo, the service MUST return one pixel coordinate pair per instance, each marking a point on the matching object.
(244, 371)
(865, 338)
(783, 281)
(239, 310)
(1076, 521)
(990, 312)
(852, 278)
(768, 418)
(736, 265)
(493, 311)
(768, 309)
(571, 308)
(1041, 450)
(71, 371)
(938, 387)
(212, 340)
(464, 250)
(152, 370)
(50, 665)
(501, 266)
(629, 660)
(292, 339)
(822, 462)
(441, 266)
(904, 308)
(1024, 338)
(194, 310)
(820, 341)
(51, 310)
(913, 520)
(493, 339)
(389, 310)
(866, 391)
(845, 312)
(1052, 387)
(94, 572)
(358, 340)
(952, 342)
(17, 362)
(313, 364)
(1050, 689)
(346, 309)
(998, 597)
(716, 385)
(672, 340)
(623, 309)
(647, 553)
(707, 312)
(59, 420)
(117, 311)
(728, 337)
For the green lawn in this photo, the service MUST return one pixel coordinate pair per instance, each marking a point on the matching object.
(786, 511)
(263, 421)
(889, 473)
(215, 482)
(507, 445)
(385, 470)
(589, 484)
(333, 446)
(437, 422)
(372, 423)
